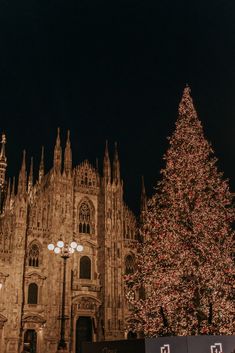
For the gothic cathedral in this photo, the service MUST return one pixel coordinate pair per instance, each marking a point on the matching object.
(73, 204)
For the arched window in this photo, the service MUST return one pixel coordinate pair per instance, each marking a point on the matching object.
(84, 218)
(85, 267)
(33, 293)
(129, 265)
(33, 255)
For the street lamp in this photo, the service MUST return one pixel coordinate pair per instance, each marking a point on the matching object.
(65, 251)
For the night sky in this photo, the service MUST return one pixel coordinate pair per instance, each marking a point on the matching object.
(115, 70)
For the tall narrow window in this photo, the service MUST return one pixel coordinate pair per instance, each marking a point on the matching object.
(33, 255)
(129, 264)
(84, 218)
(33, 293)
(85, 267)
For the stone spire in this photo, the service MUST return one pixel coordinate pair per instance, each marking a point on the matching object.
(68, 156)
(143, 201)
(116, 166)
(30, 180)
(3, 162)
(12, 196)
(41, 167)
(57, 154)
(22, 177)
(8, 195)
(106, 165)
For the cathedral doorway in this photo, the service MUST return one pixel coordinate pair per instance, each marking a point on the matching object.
(83, 331)
(30, 341)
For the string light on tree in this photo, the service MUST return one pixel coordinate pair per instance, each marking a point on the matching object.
(183, 284)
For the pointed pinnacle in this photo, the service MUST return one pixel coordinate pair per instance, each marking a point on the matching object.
(13, 188)
(106, 148)
(3, 142)
(31, 167)
(4, 138)
(22, 176)
(106, 163)
(58, 137)
(23, 166)
(68, 138)
(30, 180)
(116, 165)
(42, 156)
(41, 166)
(106, 152)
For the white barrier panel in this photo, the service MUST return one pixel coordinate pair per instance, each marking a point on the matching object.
(211, 344)
(166, 345)
(191, 344)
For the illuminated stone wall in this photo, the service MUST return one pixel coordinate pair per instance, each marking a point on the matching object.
(73, 204)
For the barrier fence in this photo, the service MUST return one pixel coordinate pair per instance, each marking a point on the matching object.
(187, 344)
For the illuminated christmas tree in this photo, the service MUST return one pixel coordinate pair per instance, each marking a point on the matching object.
(184, 268)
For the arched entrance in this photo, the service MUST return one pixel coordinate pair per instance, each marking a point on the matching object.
(30, 341)
(83, 331)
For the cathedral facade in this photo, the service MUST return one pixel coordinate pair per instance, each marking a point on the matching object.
(69, 204)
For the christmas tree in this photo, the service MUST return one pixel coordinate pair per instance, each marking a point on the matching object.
(184, 267)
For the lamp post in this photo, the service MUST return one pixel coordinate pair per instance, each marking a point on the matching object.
(65, 251)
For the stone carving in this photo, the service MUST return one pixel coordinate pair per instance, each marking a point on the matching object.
(54, 212)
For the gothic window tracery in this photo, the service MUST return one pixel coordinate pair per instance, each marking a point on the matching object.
(85, 267)
(84, 218)
(129, 265)
(33, 255)
(86, 175)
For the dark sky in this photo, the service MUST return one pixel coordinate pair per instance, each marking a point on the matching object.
(115, 70)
